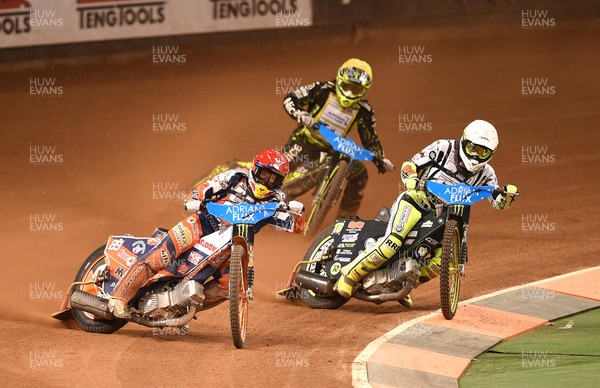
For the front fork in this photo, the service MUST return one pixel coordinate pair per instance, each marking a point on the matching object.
(244, 235)
(463, 256)
(250, 273)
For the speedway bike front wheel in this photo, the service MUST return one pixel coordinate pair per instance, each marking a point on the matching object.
(326, 198)
(238, 299)
(450, 273)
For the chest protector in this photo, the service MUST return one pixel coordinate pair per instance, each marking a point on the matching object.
(338, 118)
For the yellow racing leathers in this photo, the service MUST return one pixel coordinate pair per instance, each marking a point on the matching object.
(305, 145)
(438, 162)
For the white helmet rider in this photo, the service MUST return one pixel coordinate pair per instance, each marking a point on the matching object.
(477, 145)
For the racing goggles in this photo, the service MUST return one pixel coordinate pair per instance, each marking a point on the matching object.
(269, 178)
(351, 89)
(478, 152)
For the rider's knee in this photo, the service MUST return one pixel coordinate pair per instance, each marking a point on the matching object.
(390, 245)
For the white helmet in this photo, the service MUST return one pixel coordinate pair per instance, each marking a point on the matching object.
(477, 145)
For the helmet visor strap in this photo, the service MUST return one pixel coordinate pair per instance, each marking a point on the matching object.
(476, 151)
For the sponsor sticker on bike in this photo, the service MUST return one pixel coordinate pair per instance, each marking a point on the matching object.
(183, 236)
(116, 244)
(339, 226)
(125, 256)
(335, 268)
(213, 242)
(350, 237)
(194, 257)
(431, 241)
(343, 259)
(422, 250)
(183, 268)
(139, 247)
(355, 226)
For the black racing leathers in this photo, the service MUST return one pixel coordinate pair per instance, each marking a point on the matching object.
(305, 145)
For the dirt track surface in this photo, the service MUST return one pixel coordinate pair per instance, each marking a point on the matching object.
(226, 95)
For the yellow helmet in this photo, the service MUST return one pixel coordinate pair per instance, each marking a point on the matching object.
(353, 80)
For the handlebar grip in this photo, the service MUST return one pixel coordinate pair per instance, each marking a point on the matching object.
(503, 190)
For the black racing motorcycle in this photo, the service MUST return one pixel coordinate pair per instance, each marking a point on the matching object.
(313, 278)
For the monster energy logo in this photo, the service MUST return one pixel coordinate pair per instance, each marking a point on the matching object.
(459, 209)
(243, 229)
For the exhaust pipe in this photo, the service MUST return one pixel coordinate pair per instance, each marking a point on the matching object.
(169, 322)
(380, 298)
(318, 284)
(92, 304)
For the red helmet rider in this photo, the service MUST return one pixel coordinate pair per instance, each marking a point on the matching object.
(269, 170)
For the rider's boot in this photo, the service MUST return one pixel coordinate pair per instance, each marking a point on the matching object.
(213, 294)
(432, 268)
(406, 301)
(428, 272)
(118, 307)
(404, 218)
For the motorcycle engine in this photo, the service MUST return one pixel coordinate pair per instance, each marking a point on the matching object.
(392, 278)
(168, 302)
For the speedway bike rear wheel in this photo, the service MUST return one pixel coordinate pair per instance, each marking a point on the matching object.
(326, 198)
(450, 273)
(85, 320)
(238, 300)
(308, 297)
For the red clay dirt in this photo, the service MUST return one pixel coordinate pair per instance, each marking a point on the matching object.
(226, 95)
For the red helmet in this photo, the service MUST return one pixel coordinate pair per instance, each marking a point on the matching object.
(269, 170)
